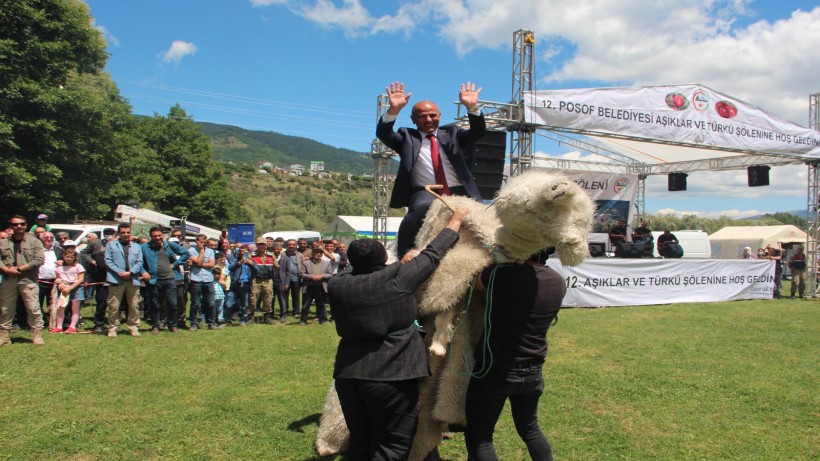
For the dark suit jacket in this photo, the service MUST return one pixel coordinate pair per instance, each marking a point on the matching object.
(374, 314)
(452, 142)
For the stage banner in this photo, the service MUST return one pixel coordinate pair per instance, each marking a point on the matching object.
(688, 114)
(613, 194)
(634, 282)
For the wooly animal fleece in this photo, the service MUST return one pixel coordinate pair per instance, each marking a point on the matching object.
(533, 211)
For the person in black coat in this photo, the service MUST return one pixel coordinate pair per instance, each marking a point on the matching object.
(419, 165)
(381, 353)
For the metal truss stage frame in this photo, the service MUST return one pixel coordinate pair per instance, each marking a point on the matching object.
(509, 117)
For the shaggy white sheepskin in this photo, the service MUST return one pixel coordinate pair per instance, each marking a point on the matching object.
(533, 211)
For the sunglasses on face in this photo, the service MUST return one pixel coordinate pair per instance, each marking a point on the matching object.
(18, 224)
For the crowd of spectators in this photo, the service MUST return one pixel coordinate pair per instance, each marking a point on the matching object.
(45, 280)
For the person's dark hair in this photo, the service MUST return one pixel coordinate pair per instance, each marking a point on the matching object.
(154, 229)
(17, 216)
(123, 225)
(366, 255)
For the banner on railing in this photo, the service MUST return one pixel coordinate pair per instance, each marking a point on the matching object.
(632, 282)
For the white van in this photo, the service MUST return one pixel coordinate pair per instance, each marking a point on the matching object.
(695, 243)
(310, 236)
(78, 232)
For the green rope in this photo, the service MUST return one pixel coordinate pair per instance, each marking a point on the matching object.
(486, 352)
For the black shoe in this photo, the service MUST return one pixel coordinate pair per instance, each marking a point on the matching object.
(155, 331)
(193, 327)
(283, 320)
(216, 327)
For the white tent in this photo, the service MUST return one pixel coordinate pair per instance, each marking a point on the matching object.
(728, 242)
(352, 227)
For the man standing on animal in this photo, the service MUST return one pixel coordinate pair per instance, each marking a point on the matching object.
(525, 301)
(381, 353)
(428, 154)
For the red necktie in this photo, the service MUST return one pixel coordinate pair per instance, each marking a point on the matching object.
(438, 168)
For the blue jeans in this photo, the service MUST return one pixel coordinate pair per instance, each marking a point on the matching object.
(202, 299)
(218, 309)
(485, 400)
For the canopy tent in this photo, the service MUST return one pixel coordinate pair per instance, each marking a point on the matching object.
(353, 227)
(728, 242)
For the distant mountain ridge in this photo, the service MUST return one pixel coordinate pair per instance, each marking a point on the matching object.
(238, 145)
(799, 213)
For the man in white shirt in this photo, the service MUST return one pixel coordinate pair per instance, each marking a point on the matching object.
(428, 155)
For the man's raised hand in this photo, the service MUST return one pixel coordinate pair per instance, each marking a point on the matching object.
(469, 95)
(397, 97)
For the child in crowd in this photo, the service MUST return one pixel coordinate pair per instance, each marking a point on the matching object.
(219, 294)
(68, 288)
(223, 314)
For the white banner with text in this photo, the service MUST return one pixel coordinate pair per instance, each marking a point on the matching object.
(633, 282)
(612, 193)
(689, 114)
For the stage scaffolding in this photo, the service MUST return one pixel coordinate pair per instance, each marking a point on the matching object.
(381, 179)
(510, 117)
(813, 203)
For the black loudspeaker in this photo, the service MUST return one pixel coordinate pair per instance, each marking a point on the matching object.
(677, 181)
(629, 250)
(597, 249)
(486, 162)
(758, 175)
(671, 250)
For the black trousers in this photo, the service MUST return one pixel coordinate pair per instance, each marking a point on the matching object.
(317, 293)
(381, 416)
(295, 290)
(485, 400)
(420, 202)
(100, 297)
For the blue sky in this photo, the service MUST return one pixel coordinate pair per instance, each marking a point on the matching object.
(314, 68)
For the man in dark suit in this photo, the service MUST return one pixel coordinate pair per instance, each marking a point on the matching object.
(428, 155)
(381, 353)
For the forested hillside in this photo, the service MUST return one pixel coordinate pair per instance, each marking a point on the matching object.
(238, 145)
(284, 202)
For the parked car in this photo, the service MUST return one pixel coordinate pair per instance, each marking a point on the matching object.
(78, 232)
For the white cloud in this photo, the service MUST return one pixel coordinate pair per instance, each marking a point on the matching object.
(351, 17)
(178, 50)
(785, 181)
(109, 37)
(643, 42)
(733, 214)
(268, 2)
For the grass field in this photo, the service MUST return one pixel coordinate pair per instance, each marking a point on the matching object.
(726, 381)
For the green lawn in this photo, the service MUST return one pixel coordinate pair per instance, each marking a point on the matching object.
(725, 381)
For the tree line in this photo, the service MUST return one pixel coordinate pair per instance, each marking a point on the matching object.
(71, 146)
(691, 222)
